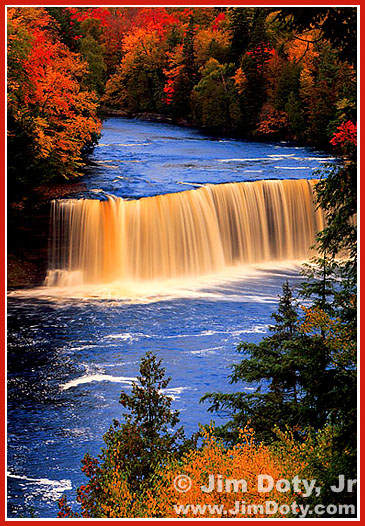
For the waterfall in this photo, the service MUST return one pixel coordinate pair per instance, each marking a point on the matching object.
(183, 234)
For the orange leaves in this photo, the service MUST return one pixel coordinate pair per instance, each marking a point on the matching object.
(272, 121)
(118, 500)
(231, 475)
(240, 80)
(141, 41)
(302, 50)
(336, 334)
(144, 58)
(211, 478)
(47, 94)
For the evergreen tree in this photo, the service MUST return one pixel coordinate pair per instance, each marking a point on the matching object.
(240, 23)
(336, 194)
(287, 85)
(253, 64)
(286, 317)
(333, 276)
(289, 374)
(135, 448)
(322, 275)
(189, 53)
(67, 28)
(296, 117)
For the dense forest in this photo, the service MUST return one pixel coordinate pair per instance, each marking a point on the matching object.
(256, 73)
(248, 72)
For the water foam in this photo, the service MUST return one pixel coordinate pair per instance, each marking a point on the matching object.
(211, 287)
(47, 488)
(90, 378)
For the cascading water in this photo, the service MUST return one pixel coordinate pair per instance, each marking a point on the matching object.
(183, 234)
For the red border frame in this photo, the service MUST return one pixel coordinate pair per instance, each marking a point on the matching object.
(4, 5)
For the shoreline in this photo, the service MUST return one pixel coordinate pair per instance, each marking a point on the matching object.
(145, 116)
(28, 231)
(106, 112)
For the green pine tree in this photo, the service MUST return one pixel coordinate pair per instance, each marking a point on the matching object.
(136, 447)
(289, 377)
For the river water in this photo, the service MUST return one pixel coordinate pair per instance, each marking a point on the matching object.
(69, 357)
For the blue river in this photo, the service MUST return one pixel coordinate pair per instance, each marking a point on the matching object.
(69, 359)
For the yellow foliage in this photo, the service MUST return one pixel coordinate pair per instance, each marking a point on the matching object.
(203, 41)
(337, 335)
(240, 80)
(245, 461)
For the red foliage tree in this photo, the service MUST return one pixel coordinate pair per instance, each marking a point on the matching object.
(46, 98)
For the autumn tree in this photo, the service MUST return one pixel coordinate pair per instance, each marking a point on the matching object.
(319, 457)
(182, 71)
(51, 118)
(138, 83)
(337, 25)
(175, 489)
(304, 373)
(243, 462)
(339, 336)
(336, 194)
(211, 43)
(155, 60)
(113, 24)
(304, 381)
(331, 282)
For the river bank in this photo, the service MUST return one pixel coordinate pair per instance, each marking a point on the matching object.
(105, 112)
(27, 234)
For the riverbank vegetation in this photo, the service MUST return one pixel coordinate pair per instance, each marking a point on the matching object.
(148, 469)
(51, 112)
(300, 427)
